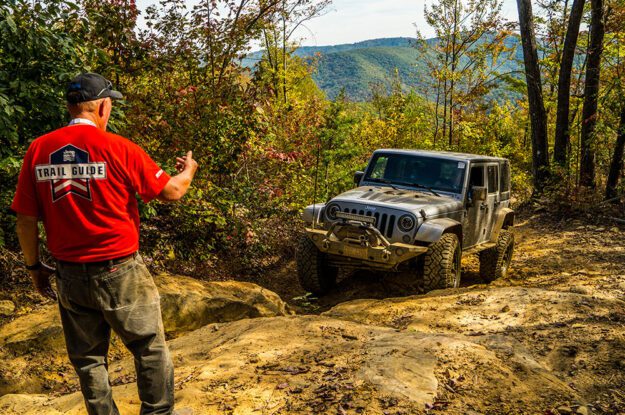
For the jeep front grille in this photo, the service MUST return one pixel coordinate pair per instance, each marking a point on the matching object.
(385, 223)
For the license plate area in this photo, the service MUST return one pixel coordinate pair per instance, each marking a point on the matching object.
(355, 251)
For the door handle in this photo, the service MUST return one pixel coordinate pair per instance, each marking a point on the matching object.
(483, 206)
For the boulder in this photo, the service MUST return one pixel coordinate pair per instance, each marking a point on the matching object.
(188, 304)
(7, 308)
(38, 330)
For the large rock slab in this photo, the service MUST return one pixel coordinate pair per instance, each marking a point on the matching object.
(570, 337)
(314, 364)
(484, 311)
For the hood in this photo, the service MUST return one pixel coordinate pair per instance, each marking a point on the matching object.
(407, 200)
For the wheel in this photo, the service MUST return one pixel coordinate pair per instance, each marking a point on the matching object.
(441, 263)
(495, 261)
(314, 274)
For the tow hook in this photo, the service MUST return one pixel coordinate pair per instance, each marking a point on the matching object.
(364, 240)
(386, 255)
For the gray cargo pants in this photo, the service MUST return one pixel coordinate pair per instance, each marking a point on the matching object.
(123, 297)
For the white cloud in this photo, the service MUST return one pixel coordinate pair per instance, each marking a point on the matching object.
(349, 21)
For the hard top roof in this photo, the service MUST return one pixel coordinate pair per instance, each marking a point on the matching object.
(441, 154)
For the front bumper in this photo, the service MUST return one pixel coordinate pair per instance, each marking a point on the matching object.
(362, 244)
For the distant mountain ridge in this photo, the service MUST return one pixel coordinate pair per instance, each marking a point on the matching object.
(371, 43)
(355, 67)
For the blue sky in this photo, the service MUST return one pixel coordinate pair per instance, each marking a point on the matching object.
(349, 21)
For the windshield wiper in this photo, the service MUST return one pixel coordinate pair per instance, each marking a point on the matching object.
(385, 181)
(419, 186)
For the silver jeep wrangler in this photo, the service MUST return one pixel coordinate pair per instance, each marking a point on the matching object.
(415, 211)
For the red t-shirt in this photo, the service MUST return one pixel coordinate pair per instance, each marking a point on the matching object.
(81, 181)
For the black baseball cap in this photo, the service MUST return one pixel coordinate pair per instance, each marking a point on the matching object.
(89, 87)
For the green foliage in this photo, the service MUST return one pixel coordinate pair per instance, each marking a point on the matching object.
(39, 55)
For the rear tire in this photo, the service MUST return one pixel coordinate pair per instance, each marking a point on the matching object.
(314, 274)
(441, 263)
(495, 261)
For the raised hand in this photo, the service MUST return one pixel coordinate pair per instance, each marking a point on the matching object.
(186, 163)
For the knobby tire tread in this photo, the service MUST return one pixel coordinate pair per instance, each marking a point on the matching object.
(491, 260)
(313, 274)
(438, 262)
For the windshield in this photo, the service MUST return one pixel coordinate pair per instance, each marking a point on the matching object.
(417, 171)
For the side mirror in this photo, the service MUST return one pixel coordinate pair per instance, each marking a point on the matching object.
(358, 177)
(478, 193)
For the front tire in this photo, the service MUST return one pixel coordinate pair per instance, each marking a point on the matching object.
(314, 274)
(495, 261)
(442, 263)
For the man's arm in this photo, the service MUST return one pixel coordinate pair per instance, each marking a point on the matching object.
(178, 185)
(28, 235)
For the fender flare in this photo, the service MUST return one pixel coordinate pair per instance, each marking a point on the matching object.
(432, 230)
(504, 220)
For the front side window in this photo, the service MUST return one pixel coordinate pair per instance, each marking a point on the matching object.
(417, 171)
(477, 176)
(377, 172)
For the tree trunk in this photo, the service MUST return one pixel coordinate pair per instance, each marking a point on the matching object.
(445, 89)
(538, 115)
(562, 137)
(445, 107)
(616, 166)
(591, 95)
(438, 99)
(451, 113)
(454, 61)
(284, 40)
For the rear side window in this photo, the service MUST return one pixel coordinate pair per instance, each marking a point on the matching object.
(493, 185)
(505, 177)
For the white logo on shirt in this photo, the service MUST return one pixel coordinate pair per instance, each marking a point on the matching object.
(69, 155)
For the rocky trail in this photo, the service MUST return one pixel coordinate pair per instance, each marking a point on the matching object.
(549, 339)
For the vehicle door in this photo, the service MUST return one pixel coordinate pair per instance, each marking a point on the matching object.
(474, 226)
(492, 199)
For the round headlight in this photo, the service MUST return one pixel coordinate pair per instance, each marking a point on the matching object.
(332, 210)
(406, 223)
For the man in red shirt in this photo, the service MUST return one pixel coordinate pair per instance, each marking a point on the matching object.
(81, 182)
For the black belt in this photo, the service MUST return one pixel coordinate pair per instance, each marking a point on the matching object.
(97, 264)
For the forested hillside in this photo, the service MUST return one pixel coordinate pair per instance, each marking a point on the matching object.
(360, 67)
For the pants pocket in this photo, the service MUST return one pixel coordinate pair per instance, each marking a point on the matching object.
(62, 290)
(129, 286)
